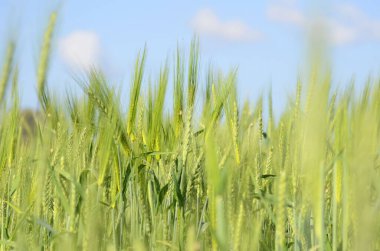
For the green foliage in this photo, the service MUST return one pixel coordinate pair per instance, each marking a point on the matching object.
(86, 175)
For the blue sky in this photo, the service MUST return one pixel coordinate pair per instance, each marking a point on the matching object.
(266, 40)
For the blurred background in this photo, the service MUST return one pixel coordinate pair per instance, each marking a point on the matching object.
(265, 40)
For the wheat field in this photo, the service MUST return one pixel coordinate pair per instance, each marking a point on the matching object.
(99, 173)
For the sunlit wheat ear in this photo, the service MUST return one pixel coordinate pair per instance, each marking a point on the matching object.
(281, 212)
(233, 116)
(192, 87)
(268, 167)
(44, 58)
(140, 121)
(238, 228)
(7, 68)
(135, 91)
(235, 133)
(271, 122)
(193, 73)
(178, 109)
(195, 184)
(298, 99)
(187, 134)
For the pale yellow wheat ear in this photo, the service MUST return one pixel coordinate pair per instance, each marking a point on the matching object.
(44, 58)
(281, 212)
(233, 116)
(135, 91)
(7, 68)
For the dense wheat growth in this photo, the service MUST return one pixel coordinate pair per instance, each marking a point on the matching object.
(101, 173)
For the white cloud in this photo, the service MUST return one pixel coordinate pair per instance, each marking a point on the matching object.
(286, 14)
(206, 22)
(340, 33)
(80, 50)
(350, 11)
(348, 24)
(369, 28)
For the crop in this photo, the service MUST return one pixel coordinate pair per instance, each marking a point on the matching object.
(99, 173)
